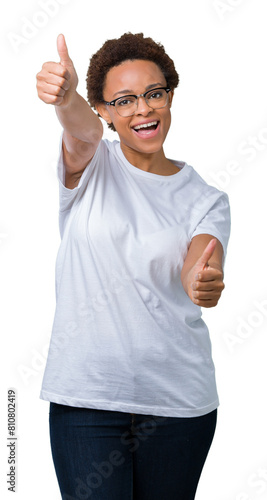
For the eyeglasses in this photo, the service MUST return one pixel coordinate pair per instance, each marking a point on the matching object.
(126, 105)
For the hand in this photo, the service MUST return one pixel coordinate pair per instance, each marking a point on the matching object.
(57, 82)
(205, 282)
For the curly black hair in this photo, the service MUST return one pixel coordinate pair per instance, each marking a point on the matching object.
(128, 47)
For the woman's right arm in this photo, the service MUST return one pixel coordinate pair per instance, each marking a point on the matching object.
(83, 130)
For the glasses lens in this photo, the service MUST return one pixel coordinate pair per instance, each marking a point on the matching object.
(126, 105)
(157, 98)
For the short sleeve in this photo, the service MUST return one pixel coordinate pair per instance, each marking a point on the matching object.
(217, 221)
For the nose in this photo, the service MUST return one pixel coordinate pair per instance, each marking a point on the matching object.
(142, 108)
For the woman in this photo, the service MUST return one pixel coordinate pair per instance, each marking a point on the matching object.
(129, 375)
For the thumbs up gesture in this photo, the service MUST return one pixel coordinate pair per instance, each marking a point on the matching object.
(202, 279)
(57, 82)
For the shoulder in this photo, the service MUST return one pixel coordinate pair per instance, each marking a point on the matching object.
(198, 180)
(200, 189)
(110, 146)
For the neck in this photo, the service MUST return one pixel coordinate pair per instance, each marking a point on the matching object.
(156, 163)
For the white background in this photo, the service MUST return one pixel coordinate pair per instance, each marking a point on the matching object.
(220, 127)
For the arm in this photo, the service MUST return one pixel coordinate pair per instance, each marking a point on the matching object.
(202, 273)
(83, 130)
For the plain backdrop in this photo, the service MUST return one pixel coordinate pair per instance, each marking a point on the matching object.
(219, 126)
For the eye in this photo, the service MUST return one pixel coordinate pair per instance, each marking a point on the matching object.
(125, 101)
(156, 94)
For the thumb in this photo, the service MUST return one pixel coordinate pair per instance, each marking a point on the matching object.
(207, 254)
(63, 51)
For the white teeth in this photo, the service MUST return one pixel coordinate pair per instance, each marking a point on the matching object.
(145, 125)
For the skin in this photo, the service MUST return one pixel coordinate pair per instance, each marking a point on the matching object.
(143, 153)
(56, 85)
(202, 274)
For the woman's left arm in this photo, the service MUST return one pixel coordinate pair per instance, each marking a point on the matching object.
(202, 272)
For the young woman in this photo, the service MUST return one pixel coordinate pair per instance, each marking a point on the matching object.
(129, 375)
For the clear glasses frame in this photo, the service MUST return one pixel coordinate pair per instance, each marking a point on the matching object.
(113, 103)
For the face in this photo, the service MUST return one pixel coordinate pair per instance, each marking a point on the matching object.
(135, 77)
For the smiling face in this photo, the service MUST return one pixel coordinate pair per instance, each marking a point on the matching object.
(145, 131)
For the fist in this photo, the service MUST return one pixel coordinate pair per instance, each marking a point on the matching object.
(205, 280)
(57, 82)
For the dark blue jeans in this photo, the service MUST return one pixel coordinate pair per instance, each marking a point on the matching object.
(109, 455)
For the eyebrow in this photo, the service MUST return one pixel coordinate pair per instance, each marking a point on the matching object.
(127, 91)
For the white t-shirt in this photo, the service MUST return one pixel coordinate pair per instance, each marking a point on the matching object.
(126, 337)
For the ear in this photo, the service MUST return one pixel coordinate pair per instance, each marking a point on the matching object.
(171, 94)
(103, 112)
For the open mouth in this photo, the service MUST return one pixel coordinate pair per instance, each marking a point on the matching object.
(146, 129)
